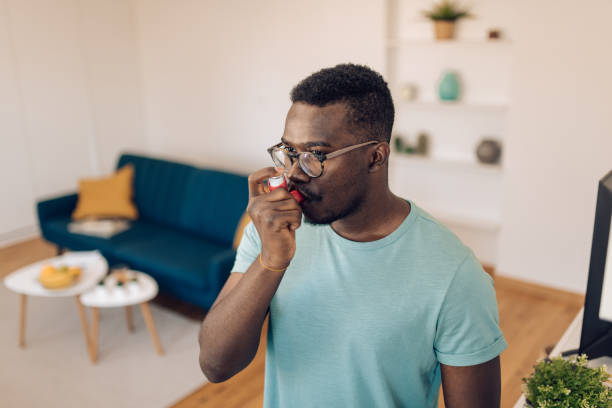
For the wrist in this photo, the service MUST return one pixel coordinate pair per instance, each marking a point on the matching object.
(273, 264)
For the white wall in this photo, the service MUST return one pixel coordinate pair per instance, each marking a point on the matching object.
(15, 185)
(217, 74)
(112, 61)
(560, 139)
(70, 100)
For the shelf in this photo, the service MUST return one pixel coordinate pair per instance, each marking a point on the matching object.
(416, 42)
(455, 165)
(456, 106)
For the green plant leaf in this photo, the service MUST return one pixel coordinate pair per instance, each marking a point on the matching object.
(562, 383)
(446, 10)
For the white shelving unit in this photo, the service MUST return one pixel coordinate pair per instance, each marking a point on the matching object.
(453, 106)
(450, 183)
(455, 43)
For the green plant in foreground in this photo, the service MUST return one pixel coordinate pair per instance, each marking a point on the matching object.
(446, 10)
(562, 383)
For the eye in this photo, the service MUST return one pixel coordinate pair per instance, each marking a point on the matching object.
(317, 152)
(288, 148)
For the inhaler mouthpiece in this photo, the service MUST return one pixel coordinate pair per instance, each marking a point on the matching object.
(281, 182)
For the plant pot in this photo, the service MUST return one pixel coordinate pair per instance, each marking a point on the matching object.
(444, 30)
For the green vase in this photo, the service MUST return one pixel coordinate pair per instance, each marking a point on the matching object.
(448, 89)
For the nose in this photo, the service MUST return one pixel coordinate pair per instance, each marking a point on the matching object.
(295, 175)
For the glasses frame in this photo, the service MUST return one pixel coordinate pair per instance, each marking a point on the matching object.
(293, 156)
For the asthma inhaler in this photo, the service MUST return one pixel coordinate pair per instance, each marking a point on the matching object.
(280, 182)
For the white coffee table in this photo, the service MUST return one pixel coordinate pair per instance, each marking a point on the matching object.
(24, 281)
(109, 295)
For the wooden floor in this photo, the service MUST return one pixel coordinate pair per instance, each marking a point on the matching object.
(532, 318)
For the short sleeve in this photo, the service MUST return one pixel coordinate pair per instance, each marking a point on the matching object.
(468, 330)
(248, 250)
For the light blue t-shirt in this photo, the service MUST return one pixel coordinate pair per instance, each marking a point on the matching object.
(367, 324)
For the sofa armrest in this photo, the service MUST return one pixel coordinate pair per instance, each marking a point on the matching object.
(220, 268)
(57, 206)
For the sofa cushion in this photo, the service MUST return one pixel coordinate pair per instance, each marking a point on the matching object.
(160, 188)
(167, 252)
(214, 204)
(206, 202)
(55, 229)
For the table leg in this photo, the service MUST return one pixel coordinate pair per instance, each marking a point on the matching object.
(83, 317)
(95, 322)
(22, 320)
(128, 317)
(146, 313)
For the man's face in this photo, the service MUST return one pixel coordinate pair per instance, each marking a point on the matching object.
(341, 188)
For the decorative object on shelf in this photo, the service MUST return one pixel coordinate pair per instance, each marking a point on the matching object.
(489, 151)
(494, 34)
(401, 146)
(422, 146)
(408, 92)
(444, 15)
(448, 89)
(557, 382)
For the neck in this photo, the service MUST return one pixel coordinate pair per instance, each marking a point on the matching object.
(379, 215)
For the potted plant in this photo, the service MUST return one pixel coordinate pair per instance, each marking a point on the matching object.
(444, 15)
(562, 383)
(133, 285)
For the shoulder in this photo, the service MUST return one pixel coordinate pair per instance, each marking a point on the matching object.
(436, 239)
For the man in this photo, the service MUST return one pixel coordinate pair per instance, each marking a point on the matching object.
(372, 302)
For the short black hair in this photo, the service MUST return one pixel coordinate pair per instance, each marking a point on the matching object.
(370, 110)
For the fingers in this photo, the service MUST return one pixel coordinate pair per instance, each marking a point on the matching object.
(286, 204)
(276, 201)
(278, 221)
(280, 194)
(257, 180)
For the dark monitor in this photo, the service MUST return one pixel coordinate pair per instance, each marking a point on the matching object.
(596, 338)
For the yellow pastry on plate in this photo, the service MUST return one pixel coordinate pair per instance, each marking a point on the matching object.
(60, 277)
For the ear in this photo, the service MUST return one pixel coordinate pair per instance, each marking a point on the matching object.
(379, 157)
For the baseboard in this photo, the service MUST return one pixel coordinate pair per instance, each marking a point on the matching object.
(18, 235)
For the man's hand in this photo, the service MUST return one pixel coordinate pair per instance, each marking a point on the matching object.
(276, 215)
(477, 386)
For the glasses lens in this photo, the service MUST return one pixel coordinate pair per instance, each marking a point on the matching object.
(310, 164)
(280, 158)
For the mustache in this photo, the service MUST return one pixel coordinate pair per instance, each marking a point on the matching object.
(306, 192)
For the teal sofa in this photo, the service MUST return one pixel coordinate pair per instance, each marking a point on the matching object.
(183, 236)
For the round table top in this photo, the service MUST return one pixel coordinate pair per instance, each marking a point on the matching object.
(110, 295)
(93, 266)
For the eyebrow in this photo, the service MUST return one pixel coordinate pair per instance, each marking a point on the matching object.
(309, 144)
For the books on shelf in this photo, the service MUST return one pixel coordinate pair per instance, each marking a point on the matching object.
(104, 228)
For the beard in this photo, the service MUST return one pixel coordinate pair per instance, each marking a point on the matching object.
(330, 215)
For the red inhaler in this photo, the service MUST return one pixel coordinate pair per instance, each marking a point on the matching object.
(280, 182)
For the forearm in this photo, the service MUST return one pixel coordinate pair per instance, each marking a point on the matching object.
(230, 333)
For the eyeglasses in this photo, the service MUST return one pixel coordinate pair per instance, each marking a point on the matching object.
(311, 163)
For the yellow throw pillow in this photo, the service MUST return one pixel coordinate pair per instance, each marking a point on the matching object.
(107, 197)
(244, 221)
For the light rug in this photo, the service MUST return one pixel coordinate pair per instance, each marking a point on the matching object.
(54, 369)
